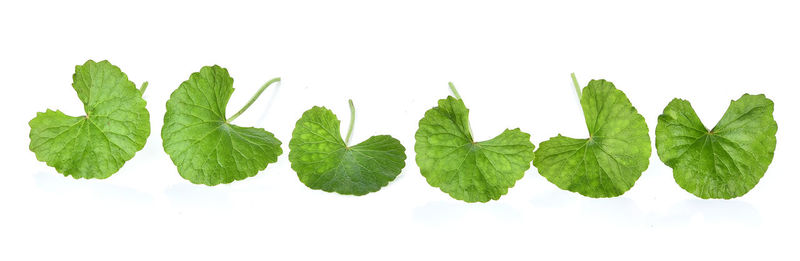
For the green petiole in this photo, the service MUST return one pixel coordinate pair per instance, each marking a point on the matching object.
(253, 99)
(352, 121)
(458, 96)
(577, 87)
(144, 87)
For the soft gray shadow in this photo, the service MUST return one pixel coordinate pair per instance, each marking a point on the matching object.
(619, 211)
(440, 213)
(59, 185)
(193, 196)
(552, 199)
(503, 212)
(718, 212)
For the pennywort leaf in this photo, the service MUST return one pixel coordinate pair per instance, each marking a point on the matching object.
(726, 161)
(471, 171)
(202, 142)
(96, 145)
(608, 163)
(324, 161)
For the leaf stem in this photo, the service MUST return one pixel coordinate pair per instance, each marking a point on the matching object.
(455, 92)
(144, 87)
(453, 89)
(253, 99)
(577, 86)
(578, 91)
(352, 121)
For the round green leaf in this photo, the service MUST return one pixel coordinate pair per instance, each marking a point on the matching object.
(609, 162)
(323, 161)
(471, 171)
(726, 161)
(115, 127)
(205, 147)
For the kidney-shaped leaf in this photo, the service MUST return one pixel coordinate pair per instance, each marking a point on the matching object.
(115, 127)
(726, 161)
(323, 160)
(609, 162)
(201, 141)
(451, 160)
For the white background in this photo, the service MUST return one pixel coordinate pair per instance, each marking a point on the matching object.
(510, 61)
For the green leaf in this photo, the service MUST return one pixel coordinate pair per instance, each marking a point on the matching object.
(725, 162)
(115, 127)
(471, 171)
(609, 162)
(324, 161)
(203, 144)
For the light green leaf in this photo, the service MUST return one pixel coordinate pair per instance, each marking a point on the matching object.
(115, 127)
(451, 160)
(324, 161)
(203, 144)
(609, 162)
(726, 161)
